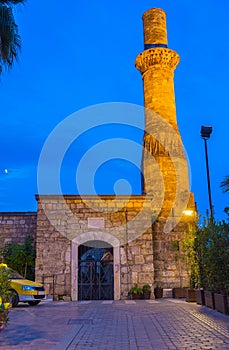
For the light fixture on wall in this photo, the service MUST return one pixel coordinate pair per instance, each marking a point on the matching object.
(188, 212)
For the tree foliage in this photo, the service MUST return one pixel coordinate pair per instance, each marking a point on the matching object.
(5, 287)
(20, 257)
(5, 295)
(191, 257)
(10, 42)
(211, 246)
(225, 184)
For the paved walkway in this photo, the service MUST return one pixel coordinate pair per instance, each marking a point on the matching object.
(115, 325)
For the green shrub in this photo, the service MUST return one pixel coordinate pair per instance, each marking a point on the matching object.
(5, 295)
(136, 290)
(20, 257)
(212, 248)
(146, 287)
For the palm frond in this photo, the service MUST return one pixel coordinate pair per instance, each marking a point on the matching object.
(225, 184)
(9, 37)
(12, 2)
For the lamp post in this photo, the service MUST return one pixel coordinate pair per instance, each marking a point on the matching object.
(205, 134)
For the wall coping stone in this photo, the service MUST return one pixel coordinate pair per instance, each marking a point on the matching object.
(18, 213)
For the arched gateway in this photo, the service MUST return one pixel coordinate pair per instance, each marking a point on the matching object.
(95, 267)
(95, 271)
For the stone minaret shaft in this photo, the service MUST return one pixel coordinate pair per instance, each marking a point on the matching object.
(157, 64)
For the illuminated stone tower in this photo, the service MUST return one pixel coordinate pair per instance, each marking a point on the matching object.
(157, 64)
(164, 164)
(162, 140)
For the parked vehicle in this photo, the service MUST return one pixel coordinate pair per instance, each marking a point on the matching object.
(24, 290)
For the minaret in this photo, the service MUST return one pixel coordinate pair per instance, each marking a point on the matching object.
(157, 64)
(161, 138)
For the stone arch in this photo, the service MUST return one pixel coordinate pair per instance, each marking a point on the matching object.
(95, 236)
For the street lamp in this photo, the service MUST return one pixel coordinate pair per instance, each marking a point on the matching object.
(205, 134)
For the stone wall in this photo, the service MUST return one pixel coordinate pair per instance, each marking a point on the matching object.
(169, 259)
(171, 265)
(124, 222)
(15, 226)
(137, 266)
(146, 253)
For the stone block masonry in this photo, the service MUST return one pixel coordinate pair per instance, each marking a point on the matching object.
(138, 244)
(58, 229)
(16, 226)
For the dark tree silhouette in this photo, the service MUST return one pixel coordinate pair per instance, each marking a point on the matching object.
(225, 184)
(10, 42)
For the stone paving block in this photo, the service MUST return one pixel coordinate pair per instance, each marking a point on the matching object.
(115, 326)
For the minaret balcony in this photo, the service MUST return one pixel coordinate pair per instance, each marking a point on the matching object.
(157, 58)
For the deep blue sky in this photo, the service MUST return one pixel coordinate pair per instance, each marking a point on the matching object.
(80, 53)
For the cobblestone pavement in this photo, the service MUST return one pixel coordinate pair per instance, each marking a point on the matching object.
(110, 325)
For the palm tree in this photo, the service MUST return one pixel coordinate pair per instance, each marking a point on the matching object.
(225, 184)
(10, 42)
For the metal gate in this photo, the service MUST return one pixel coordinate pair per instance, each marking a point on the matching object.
(96, 280)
